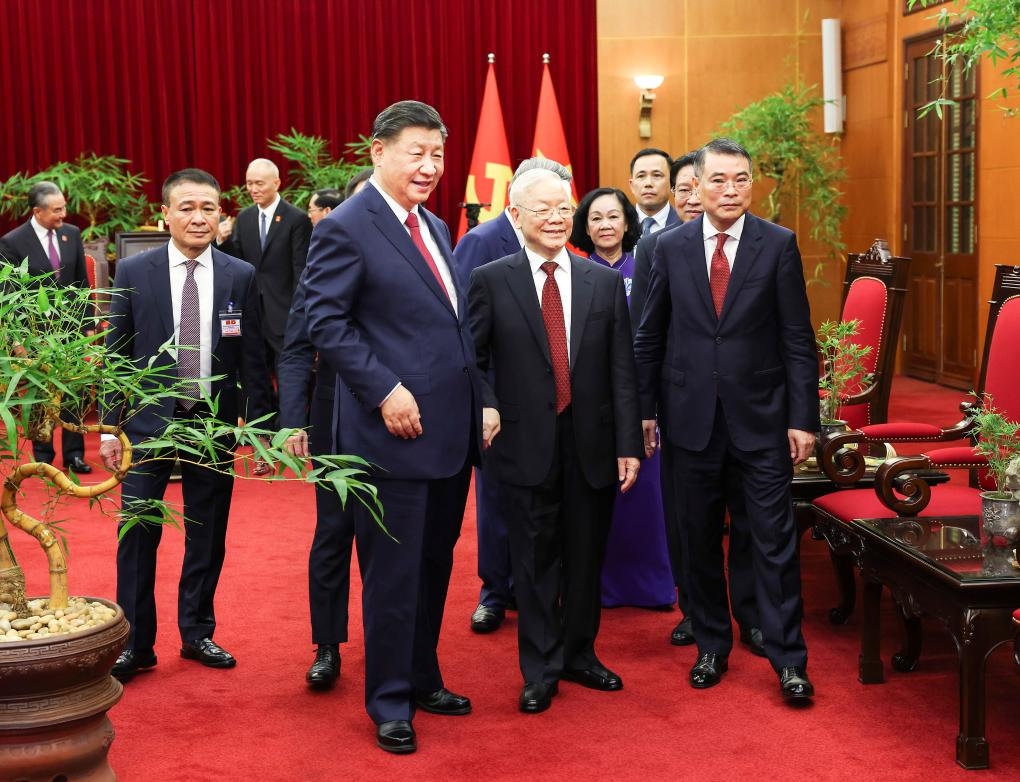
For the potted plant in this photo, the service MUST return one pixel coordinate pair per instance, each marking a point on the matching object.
(780, 133)
(99, 188)
(843, 368)
(55, 688)
(998, 441)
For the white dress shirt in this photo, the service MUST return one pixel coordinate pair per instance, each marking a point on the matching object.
(562, 277)
(44, 238)
(269, 211)
(710, 233)
(660, 218)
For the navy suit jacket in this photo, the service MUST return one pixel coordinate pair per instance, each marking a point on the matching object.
(495, 238)
(642, 269)
(506, 319)
(141, 320)
(23, 243)
(279, 266)
(758, 357)
(377, 315)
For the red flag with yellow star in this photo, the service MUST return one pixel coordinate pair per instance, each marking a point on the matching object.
(550, 140)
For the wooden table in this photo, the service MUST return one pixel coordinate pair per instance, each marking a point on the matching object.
(938, 567)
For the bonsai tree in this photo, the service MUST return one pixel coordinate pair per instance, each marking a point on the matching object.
(100, 188)
(779, 131)
(985, 28)
(843, 369)
(44, 358)
(998, 440)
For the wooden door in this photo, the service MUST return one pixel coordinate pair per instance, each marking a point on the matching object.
(940, 331)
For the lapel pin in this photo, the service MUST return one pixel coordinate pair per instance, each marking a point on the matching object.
(63, 237)
(277, 219)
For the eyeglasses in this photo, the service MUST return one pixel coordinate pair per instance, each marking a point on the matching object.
(722, 185)
(314, 209)
(564, 212)
(682, 193)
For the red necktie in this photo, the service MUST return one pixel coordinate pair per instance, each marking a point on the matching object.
(412, 223)
(719, 277)
(556, 331)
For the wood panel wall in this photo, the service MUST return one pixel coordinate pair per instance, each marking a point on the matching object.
(718, 55)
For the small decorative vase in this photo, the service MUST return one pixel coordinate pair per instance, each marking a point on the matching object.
(1000, 531)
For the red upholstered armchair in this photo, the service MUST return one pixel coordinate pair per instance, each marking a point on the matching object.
(900, 488)
(873, 295)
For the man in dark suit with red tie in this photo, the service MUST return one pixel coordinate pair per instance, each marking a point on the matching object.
(180, 294)
(561, 420)
(726, 358)
(51, 245)
(386, 312)
(485, 243)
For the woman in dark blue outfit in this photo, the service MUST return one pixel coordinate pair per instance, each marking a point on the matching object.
(636, 570)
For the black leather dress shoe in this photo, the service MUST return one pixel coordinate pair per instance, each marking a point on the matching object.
(708, 670)
(536, 697)
(683, 633)
(326, 668)
(131, 662)
(207, 652)
(80, 466)
(396, 736)
(486, 619)
(794, 684)
(594, 677)
(442, 701)
(752, 638)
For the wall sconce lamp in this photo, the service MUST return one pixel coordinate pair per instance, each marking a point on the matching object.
(647, 83)
(834, 106)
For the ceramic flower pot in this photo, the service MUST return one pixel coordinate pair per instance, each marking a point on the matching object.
(54, 695)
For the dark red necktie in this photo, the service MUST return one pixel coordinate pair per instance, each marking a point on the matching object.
(556, 331)
(54, 255)
(719, 277)
(412, 223)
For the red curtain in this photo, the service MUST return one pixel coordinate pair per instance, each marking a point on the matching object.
(202, 83)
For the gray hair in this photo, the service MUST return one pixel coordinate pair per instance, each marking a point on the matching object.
(39, 192)
(542, 163)
(719, 146)
(528, 179)
(263, 162)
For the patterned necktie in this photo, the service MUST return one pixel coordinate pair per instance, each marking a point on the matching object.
(54, 255)
(647, 225)
(262, 230)
(719, 277)
(556, 331)
(189, 339)
(412, 223)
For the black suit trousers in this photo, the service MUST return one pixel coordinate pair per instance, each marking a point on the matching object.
(761, 481)
(558, 533)
(329, 561)
(207, 495)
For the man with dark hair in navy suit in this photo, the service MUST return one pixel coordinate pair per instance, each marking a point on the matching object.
(385, 310)
(180, 294)
(726, 358)
(485, 243)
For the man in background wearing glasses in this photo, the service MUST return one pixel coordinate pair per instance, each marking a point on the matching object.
(726, 359)
(560, 426)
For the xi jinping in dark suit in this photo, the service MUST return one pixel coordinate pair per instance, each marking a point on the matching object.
(561, 422)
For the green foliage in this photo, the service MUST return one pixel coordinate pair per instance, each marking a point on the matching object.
(843, 367)
(46, 358)
(988, 27)
(100, 188)
(779, 131)
(998, 440)
(313, 168)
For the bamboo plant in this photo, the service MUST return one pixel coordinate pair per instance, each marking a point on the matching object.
(46, 357)
(843, 367)
(998, 440)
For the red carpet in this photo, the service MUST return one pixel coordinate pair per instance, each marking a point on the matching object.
(258, 722)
